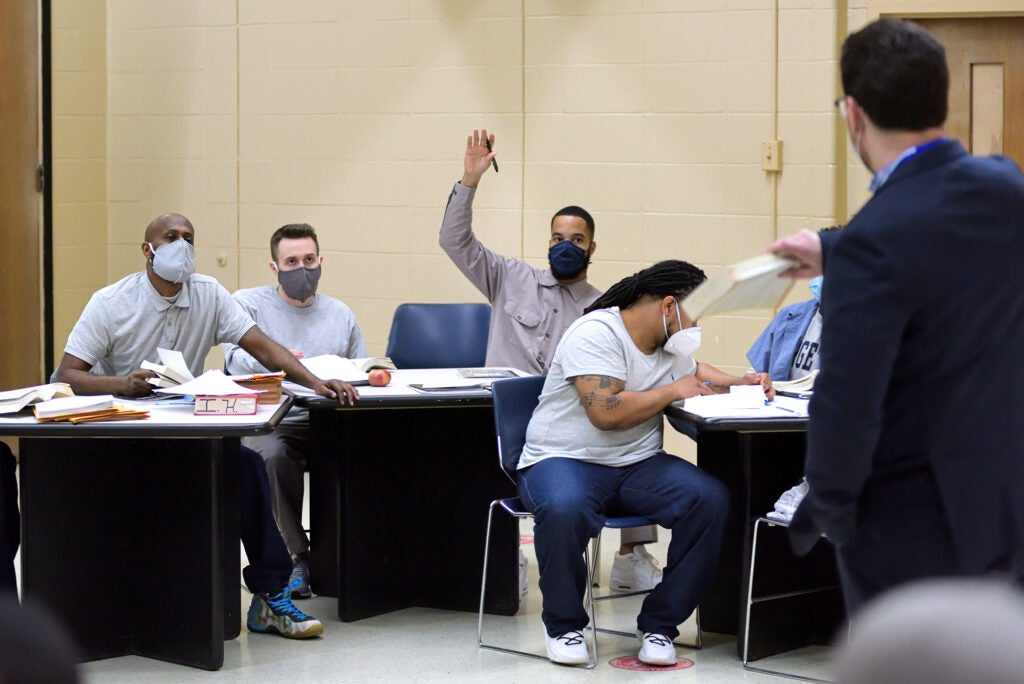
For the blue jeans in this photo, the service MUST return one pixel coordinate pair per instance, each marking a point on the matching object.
(570, 500)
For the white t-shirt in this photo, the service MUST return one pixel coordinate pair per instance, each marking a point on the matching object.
(808, 354)
(597, 344)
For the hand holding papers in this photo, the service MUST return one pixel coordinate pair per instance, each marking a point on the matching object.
(172, 369)
(749, 284)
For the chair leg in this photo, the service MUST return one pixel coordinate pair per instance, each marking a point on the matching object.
(483, 590)
(746, 621)
(595, 551)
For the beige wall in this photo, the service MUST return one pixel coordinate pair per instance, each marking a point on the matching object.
(352, 116)
(78, 32)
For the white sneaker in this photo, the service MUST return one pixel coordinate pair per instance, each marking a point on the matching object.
(568, 649)
(787, 504)
(524, 565)
(636, 571)
(656, 649)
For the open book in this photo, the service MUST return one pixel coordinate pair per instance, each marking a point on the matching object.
(15, 400)
(172, 369)
(749, 284)
(368, 364)
(801, 387)
(334, 367)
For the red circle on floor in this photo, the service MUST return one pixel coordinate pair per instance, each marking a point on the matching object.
(633, 663)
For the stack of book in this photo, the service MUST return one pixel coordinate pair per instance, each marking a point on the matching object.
(87, 409)
(267, 384)
(15, 400)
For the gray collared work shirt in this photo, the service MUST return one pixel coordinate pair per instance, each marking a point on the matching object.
(530, 309)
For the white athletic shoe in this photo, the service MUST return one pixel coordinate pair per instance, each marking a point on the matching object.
(567, 649)
(636, 571)
(787, 504)
(656, 649)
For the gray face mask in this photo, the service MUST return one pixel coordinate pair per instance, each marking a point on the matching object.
(299, 283)
(174, 261)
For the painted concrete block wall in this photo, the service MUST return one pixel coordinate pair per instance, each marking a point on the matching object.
(352, 116)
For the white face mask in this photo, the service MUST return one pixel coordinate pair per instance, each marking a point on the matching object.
(682, 342)
(174, 261)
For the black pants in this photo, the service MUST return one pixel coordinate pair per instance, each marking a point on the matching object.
(10, 520)
(903, 535)
(269, 561)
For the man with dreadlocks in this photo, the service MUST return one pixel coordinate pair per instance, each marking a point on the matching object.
(594, 449)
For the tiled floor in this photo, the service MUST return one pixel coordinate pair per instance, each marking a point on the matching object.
(435, 646)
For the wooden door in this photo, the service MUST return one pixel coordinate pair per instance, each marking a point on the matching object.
(986, 82)
(21, 290)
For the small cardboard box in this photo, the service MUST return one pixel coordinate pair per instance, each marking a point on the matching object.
(226, 405)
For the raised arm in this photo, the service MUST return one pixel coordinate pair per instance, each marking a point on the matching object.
(478, 157)
(610, 407)
(75, 372)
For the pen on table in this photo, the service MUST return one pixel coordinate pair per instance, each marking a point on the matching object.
(494, 162)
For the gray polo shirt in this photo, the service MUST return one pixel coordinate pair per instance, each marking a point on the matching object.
(124, 323)
(530, 309)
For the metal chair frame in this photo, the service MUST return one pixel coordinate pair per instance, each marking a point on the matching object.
(513, 443)
(771, 597)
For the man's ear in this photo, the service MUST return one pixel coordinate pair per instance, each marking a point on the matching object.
(147, 251)
(668, 305)
(593, 248)
(273, 267)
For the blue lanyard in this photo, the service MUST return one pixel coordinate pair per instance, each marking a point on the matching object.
(879, 179)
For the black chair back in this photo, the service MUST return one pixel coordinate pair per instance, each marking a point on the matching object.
(514, 402)
(439, 335)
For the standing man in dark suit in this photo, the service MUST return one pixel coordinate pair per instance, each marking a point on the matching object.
(916, 441)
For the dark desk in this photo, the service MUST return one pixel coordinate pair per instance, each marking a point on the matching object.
(400, 484)
(757, 461)
(130, 530)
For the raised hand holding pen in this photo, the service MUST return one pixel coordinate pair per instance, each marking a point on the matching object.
(479, 156)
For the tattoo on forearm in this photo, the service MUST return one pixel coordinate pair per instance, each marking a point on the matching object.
(604, 396)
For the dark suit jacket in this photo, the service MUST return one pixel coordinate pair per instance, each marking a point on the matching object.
(922, 368)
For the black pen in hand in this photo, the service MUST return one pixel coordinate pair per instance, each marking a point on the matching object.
(494, 162)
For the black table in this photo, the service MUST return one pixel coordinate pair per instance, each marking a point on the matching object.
(130, 530)
(400, 485)
(758, 460)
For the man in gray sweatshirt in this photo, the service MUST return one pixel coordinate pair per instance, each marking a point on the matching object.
(308, 324)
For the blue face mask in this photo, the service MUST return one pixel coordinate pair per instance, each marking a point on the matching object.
(814, 285)
(567, 260)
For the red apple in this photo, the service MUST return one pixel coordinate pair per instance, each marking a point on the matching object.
(379, 377)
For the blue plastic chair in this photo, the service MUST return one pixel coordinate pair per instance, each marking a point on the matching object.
(514, 402)
(439, 335)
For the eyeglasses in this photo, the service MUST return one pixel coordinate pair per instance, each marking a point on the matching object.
(840, 105)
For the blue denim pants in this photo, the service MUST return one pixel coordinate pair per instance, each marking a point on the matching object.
(570, 500)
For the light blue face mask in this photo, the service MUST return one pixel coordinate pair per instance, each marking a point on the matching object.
(174, 261)
(814, 285)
